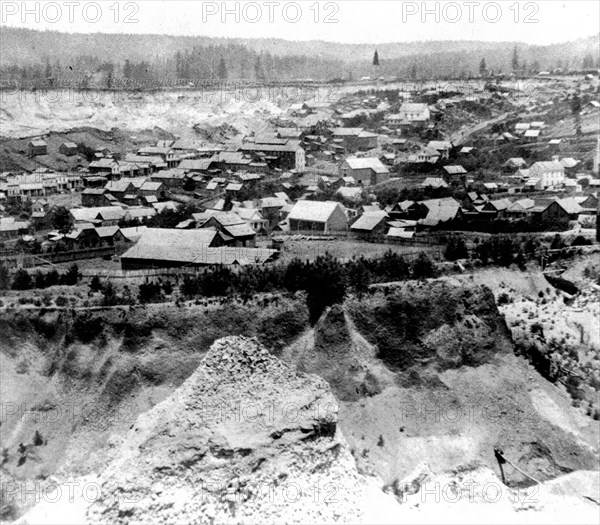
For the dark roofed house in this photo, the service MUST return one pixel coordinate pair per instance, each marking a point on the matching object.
(68, 149)
(455, 170)
(230, 224)
(93, 197)
(120, 188)
(156, 189)
(562, 209)
(37, 147)
(173, 178)
(370, 225)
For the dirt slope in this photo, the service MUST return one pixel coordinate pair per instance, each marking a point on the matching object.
(427, 373)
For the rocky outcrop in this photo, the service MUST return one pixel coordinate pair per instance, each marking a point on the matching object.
(244, 439)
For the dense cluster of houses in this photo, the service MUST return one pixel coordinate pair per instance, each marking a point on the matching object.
(345, 155)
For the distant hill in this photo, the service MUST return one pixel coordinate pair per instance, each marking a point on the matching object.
(29, 53)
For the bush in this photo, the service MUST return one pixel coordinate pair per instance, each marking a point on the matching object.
(95, 284)
(61, 301)
(325, 286)
(456, 249)
(149, 292)
(22, 280)
(423, 267)
(504, 298)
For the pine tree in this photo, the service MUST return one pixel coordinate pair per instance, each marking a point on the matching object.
(258, 69)
(376, 58)
(413, 72)
(515, 60)
(222, 73)
(482, 68)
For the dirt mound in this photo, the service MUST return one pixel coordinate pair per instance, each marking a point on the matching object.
(244, 439)
(80, 379)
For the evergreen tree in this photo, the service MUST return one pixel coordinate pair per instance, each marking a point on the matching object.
(515, 60)
(222, 73)
(258, 69)
(482, 68)
(376, 58)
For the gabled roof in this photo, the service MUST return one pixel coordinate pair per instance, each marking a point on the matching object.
(195, 164)
(455, 170)
(439, 144)
(369, 221)
(313, 211)
(373, 163)
(547, 166)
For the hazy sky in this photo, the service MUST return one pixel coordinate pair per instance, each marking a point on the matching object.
(354, 21)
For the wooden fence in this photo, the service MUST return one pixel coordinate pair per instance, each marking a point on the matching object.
(29, 260)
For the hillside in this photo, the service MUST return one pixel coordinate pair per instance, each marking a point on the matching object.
(439, 385)
(77, 54)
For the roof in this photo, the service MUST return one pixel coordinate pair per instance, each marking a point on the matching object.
(107, 231)
(201, 254)
(174, 237)
(570, 205)
(521, 205)
(500, 204)
(350, 193)
(548, 166)
(440, 211)
(413, 107)
(439, 144)
(313, 211)
(400, 233)
(106, 213)
(569, 162)
(517, 162)
(369, 221)
(532, 133)
(151, 186)
(119, 186)
(347, 132)
(434, 182)
(240, 230)
(455, 170)
(272, 202)
(372, 163)
(195, 164)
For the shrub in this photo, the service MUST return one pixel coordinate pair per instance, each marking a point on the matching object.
(504, 298)
(423, 267)
(95, 284)
(61, 301)
(456, 249)
(22, 280)
(38, 440)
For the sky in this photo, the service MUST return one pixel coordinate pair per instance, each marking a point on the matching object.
(348, 21)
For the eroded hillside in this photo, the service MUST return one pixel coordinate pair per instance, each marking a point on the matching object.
(420, 383)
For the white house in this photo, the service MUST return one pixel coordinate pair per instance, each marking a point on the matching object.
(549, 173)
